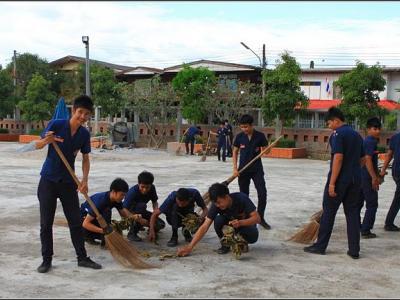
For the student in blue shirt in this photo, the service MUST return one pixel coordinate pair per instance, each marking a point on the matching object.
(136, 202)
(190, 134)
(370, 177)
(56, 182)
(177, 205)
(343, 184)
(249, 143)
(104, 203)
(235, 209)
(230, 138)
(222, 135)
(393, 153)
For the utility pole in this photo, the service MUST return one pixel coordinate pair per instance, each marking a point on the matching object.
(264, 65)
(16, 109)
(85, 40)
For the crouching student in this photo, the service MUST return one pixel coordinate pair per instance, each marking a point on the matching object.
(178, 205)
(235, 209)
(105, 202)
(136, 202)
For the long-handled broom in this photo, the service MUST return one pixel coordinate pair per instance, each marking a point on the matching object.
(206, 196)
(178, 150)
(204, 157)
(309, 232)
(120, 249)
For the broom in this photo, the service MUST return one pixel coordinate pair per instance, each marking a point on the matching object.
(206, 196)
(178, 150)
(204, 157)
(120, 249)
(309, 232)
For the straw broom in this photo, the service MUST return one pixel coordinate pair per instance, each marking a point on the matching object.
(206, 196)
(120, 249)
(204, 157)
(178, 150)
(309, 232)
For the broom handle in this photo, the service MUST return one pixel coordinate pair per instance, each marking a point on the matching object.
(99, 217)
(230, 179)
(208, 141)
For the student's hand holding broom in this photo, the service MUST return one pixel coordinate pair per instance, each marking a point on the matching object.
(49, 138)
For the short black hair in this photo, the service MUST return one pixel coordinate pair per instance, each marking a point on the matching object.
(183, 194)
(217, 190)
(198, 127)
(119, 185)
(145, 178)
(246, 119)
(374, 122)
(222, 123)
(333, 113)
(83, 101)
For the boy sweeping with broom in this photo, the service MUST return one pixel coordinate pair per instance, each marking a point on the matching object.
(56, 182)
(343, 184)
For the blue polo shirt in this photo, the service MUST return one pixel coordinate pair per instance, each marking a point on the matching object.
(195, 197)
(240, 209)
(371, 149)
(103, 203)
(134, 197)
(221, 134)
(229, 129)
(192, 131)
(347, 141)
(53, 168)
(394, 145)
(250, 149)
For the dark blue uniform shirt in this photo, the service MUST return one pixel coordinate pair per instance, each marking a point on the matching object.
(394, 145)
(195, 196)
(241, 208)
(53, 168)
(250, 149)
(192, 131)
(102, 202)
(134, 196)
(371, 149)
(221, 134)
(347, 141)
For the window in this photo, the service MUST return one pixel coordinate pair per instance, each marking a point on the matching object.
(306, 138)
(12, 126)
(295, 137)
(305, 120)
(141, 131)
(229, 80)
(321, 120)
(171, 132)
(285, 136)
(337, 93)
(315, 138)
(156, 131)
(326, 138)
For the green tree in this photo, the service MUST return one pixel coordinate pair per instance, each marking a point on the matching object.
(39, 102)
(284, 97)
(155, 102)
(7, 100)
(194, 87)
(360, 88)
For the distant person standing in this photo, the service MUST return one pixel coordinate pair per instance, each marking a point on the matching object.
(222, 135)
(191, 137)
(230, 138)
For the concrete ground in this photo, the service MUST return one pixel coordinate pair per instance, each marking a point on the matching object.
(272, 268)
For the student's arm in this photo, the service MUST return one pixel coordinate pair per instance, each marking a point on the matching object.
(83, 187)
(155, 205)
(371, 170)
(153, 219)
(47, 139)
(204, 212)
(125, 213)
(336, 167)
(388, 158)
(196, 238)
(253, 219)
(88, 225)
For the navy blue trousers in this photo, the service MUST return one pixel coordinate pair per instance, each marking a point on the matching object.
(395, 206)
(174, 217)
(191, 140)
(47, 193)
(249, 233)
(221, 146)
(141, 208)
(259, 183)
(349, 195)
(370, 197)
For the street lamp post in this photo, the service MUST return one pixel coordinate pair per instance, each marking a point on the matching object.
(263, 65)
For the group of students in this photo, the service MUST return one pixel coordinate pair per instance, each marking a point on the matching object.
(353, 177)
(235, 209)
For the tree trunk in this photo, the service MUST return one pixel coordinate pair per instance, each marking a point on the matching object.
(278, 127)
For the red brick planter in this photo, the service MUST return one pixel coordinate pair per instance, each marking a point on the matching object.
(173, 146)
(287, 153)
(26, 138)
(6, 137)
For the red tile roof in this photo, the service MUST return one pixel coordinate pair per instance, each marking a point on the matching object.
(317, 104)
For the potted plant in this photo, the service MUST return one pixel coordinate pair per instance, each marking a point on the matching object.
(286, 148)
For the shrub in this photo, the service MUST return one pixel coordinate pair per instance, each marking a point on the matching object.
(381, 149)
(35, 131)
(285, 143)
(4, 130)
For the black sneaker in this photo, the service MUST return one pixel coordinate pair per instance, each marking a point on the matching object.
(223, 250)
(353, 256)
(173, 241)
(45, 266)
(368, 235)
(134, 237)
(313, 249)
(391, 227)
(91, 241)
(264, 224)
(88, 263)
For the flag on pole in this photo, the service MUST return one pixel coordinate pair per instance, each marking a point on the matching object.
(327, 86)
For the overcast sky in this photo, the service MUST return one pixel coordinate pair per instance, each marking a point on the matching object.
(162, 34)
